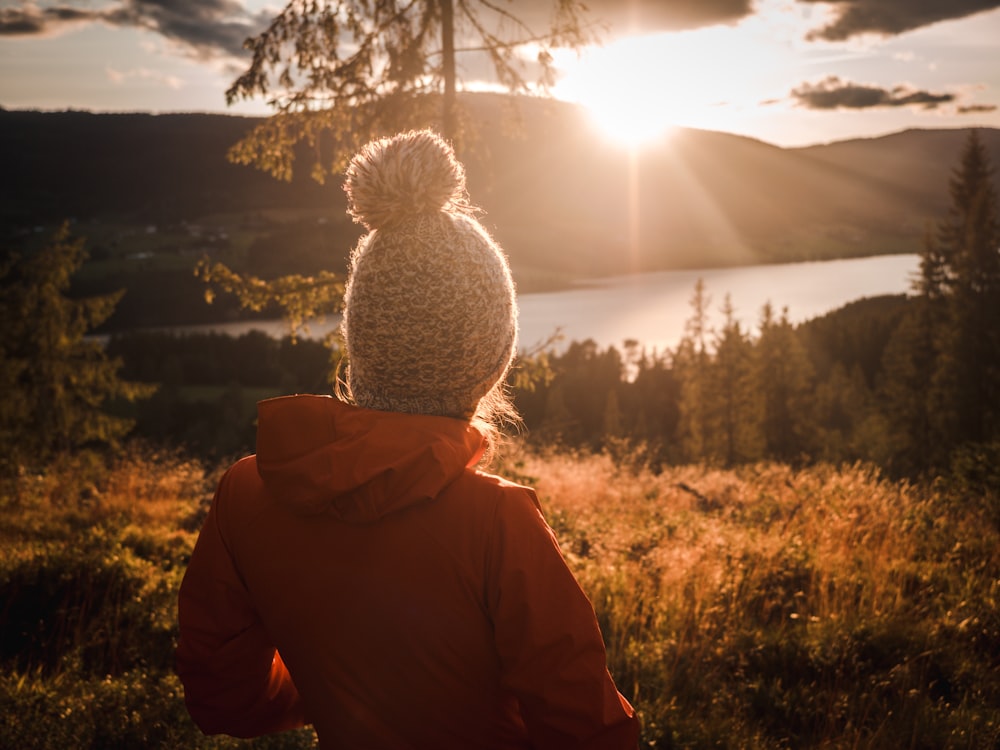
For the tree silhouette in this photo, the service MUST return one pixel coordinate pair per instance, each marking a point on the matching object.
(737, 438)
(692, 361)
(911, 401)
(969, 240)
(346, 70)
(784, 383)
(55, 381)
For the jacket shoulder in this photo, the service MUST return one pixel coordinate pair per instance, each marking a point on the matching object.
(240, 491)
(492, 486)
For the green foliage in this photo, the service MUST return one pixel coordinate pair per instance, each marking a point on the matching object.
(300, 297)
(56, 382)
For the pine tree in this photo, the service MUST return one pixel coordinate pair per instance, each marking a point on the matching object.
(842, 410)
(654, 405)
(611, 426)
(911, 398)
(691, 364)
(737, 439)
(56, 382)
(968, 370)
(784, 377)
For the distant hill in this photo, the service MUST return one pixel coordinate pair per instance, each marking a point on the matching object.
(557, 196)
(137, 167)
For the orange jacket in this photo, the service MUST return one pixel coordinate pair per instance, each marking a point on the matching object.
(414, 602)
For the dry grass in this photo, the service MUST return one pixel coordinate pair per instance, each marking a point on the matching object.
(774, 607)
(141, 488)
(764, 607)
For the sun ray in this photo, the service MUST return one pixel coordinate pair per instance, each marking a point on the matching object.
(638, 89)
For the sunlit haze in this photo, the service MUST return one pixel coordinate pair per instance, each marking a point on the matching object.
(637, 88)
(789, 72)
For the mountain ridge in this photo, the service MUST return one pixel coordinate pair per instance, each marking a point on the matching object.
(558, 197)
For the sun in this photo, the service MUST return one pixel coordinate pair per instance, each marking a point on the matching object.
(616, 86)
(638, 89)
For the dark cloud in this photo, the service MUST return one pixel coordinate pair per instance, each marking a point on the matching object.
(207, 28)
(834, 93)
(888, 17)
(973, 109)
(16, 21)
(632, 16)
(622, 17)
(29, 20)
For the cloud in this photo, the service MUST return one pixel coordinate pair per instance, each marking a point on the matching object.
(29, 20)
(640, 16)
(667, 15)
(890, 17)
(205, 28)
(835, 93)
(119, 77)
(974, 109)
(210, 28)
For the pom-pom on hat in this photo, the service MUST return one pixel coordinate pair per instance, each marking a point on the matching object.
(430, 316)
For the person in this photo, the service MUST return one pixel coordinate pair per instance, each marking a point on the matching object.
(359, 573)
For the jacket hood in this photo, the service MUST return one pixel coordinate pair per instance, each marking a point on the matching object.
(317, 454)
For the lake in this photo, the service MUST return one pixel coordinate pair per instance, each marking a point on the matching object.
(653, 307)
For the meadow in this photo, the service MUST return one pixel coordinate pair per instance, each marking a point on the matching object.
(762, 607)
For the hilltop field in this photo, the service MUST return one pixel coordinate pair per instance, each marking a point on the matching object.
(763, 607)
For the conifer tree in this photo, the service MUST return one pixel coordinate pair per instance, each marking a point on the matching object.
(968, 372)
(912, 402)
(654, 404)
(55, 381)
(784, 377)
(842, 414)
(692, 361)
(737, 439)
(611, 426)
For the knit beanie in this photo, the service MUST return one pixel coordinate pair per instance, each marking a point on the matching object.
(430, 316)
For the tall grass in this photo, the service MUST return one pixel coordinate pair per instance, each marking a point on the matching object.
(770, 608)
(91, 559)
(764, 607)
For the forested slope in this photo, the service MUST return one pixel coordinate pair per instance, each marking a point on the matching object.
(557, 195)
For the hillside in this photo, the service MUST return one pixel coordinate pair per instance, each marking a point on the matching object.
(913, 164)
(564, 203)
(762, 608)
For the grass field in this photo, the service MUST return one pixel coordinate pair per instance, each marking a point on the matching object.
(760, 608)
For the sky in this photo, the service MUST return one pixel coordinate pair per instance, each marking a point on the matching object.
(789, 72)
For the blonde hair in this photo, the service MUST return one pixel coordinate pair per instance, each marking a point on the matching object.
(494, 416)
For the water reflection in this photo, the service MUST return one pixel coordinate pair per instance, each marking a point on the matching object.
(652, 307)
